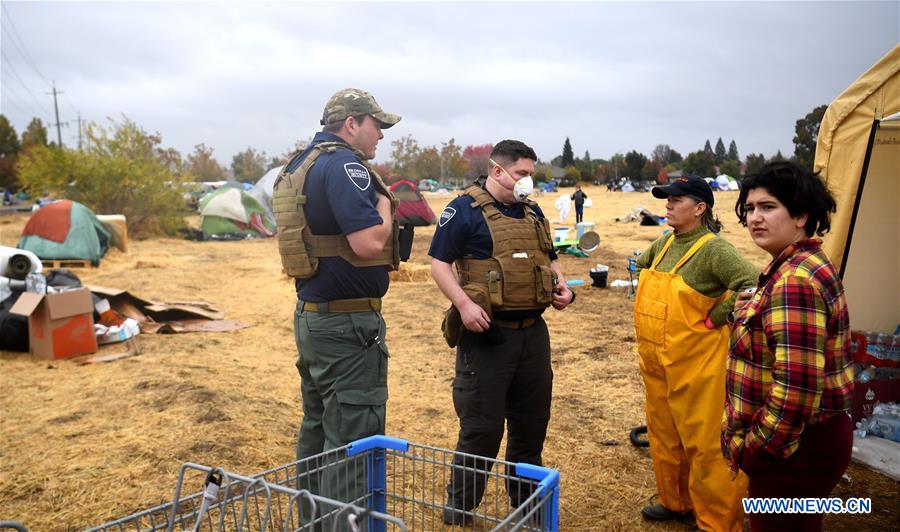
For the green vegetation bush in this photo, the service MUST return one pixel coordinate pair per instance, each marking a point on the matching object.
(123, 171)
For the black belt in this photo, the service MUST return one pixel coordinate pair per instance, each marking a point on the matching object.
(516, 324)
(361, 304)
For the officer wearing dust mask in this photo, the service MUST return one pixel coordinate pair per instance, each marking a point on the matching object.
(507, 275)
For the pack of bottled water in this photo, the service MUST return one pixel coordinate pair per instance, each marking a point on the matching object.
(884, 422)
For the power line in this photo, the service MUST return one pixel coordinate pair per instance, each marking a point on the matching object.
(24, 50)
(22, 103)
(18, 78)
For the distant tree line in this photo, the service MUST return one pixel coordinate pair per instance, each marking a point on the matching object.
(707, 161)
(124, 169)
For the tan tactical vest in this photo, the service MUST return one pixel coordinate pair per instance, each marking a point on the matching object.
(299, 248)
(518, 275)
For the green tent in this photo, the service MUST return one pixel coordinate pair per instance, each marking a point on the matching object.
(65, 230)
(230, 213)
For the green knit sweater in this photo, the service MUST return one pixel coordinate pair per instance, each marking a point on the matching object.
(715, 268)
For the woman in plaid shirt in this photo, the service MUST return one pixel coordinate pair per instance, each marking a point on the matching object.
(790, 379)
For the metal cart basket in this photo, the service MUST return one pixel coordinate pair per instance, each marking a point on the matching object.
(377, 483)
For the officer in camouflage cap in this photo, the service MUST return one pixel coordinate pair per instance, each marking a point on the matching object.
(354, 102)
(338, 238)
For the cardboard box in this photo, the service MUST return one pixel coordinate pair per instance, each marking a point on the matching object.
(59, 325)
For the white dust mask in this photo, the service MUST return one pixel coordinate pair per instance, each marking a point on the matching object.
(523, 188)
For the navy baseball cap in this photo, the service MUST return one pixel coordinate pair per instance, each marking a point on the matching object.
(682, 186)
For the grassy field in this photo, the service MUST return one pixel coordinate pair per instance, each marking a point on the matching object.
(81, 445)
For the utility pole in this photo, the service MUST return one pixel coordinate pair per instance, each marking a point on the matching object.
(56, 108)
(79, 130)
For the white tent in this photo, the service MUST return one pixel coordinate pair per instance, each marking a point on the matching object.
(262, 190)
(726, 182)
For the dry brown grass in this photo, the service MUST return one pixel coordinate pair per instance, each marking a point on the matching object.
(80, 445)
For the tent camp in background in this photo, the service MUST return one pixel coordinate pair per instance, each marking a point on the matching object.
(413, 208)
(725, 182)
(262, 190)
(65, 230)
(232, 214)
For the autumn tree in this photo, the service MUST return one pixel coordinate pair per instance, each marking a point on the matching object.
(754, 162)
(806, 134)
(720, 153)
(203, 166)
(731, 167)
(299, 145)
(428, 163)
(35, 134)
(453, 164)
(405, 152)
(476, 157)
(9, 151)
(650, 171)
(568, 156)
(249, 165)
(701, 163)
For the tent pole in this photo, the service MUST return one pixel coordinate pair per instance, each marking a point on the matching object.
(859, 193)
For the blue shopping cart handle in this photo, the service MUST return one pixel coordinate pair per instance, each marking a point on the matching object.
(377, 442)
(548, 478)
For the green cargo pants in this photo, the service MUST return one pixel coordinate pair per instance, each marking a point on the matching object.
(343, 362)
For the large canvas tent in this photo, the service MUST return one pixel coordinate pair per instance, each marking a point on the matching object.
(858, 156)
(65, 229)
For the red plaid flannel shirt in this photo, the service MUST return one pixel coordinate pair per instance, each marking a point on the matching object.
(789, 363)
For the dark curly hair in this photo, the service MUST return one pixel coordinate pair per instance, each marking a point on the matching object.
(798, 189)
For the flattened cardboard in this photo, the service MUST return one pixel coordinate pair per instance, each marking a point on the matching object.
(167, 318)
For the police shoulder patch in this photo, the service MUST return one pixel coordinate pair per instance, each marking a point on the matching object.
(358, 174)
(446, 216)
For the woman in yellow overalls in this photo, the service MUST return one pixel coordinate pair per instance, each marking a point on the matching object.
(684, 295)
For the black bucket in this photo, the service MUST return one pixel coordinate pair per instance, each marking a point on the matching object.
(599, 279)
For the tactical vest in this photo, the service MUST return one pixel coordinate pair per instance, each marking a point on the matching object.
(518, 274)
(299, 248)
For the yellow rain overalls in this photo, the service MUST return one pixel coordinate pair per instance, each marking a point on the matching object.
(683, 366)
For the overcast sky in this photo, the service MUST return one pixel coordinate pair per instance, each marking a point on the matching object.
(610, 76)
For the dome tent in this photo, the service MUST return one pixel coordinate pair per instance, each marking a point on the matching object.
(65, 229)
(232, 213)
(413, 208)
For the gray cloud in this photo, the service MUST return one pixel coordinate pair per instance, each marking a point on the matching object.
(611, 76)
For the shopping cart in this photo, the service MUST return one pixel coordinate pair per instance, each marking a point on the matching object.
(377, 484)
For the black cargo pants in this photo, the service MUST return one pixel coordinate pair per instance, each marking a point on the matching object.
(510, 382)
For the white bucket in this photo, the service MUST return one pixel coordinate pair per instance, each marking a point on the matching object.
(561, 233)
(583, 227)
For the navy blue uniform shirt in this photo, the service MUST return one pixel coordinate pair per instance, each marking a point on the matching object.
(462, 232)
(341, 199)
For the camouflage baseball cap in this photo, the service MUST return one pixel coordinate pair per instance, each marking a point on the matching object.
(354, 102)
